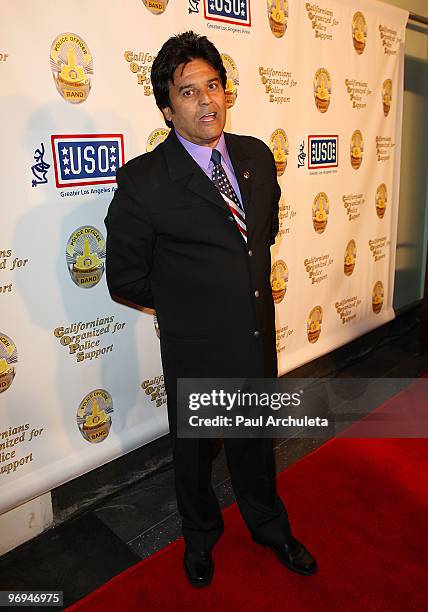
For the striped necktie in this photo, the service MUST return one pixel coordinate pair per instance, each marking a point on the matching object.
(220, 180)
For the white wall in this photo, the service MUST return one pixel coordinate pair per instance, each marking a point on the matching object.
(413, 213)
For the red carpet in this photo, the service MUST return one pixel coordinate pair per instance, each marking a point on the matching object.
(361, 507)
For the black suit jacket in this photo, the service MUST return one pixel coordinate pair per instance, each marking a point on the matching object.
(173, 245)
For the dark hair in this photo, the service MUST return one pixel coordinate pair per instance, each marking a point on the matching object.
(181, 49)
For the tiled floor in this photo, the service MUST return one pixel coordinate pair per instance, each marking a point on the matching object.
(83, 553)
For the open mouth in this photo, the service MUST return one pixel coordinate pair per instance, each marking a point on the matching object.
(208, 118)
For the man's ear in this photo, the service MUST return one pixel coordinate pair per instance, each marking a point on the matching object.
(167, 113)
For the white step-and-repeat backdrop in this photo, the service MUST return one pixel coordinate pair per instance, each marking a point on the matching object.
(320, 82)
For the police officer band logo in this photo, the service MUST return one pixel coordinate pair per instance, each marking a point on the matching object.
(381, 199)
(155, 138)
(94, 415)
(350, 257)
(85, 254)
(71, 65)
(279, 280)
(278, 16)
(386, 96)
(356, 149)
(157, 7)
(377, 297)
(359, 32)
(322, 89)
(313, 325)
(8, 359)
(278, 144)
(320, 212)
(232, 80)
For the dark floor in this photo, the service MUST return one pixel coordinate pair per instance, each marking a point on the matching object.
(96, 540)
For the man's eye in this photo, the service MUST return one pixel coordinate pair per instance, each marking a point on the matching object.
(213, 85)
(187, 93)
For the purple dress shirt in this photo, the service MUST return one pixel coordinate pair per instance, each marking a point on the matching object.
(202, 156)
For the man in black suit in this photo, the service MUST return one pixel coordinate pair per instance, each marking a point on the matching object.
(189, 232)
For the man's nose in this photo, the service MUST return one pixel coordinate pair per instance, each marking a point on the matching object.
(205, 97)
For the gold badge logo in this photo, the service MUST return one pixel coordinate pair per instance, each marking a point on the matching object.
(359, 32)
(313, 326)
(322, 89)
(279, 280)
(386, 96)
(8, 357)
(93, 415)
(320, 212)
(279, 146)
(157, 7)
(356, 149)
(85, 254)
(71, 64)
(232, 81)
(278, 16)
(377, 297)
(381, 199)
(156, 137)
(350, 256)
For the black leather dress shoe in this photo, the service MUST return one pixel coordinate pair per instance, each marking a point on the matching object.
(199, 567)
(294, 555)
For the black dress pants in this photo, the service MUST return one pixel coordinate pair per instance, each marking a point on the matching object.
(252, 470)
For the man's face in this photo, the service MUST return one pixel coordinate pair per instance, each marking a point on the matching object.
(198, 103)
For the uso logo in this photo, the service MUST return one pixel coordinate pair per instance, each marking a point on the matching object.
(228, 11)
(323, 151)
(87, 159)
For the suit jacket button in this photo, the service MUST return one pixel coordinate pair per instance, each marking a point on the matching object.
(250, 253)
(257, 293)
(256, 333)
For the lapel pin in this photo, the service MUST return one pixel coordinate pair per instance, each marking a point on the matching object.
(246, 174)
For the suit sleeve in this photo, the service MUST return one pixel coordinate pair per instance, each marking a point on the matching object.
(275, 203)
(130, 244)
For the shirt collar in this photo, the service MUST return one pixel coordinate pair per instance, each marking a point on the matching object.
(202, 155)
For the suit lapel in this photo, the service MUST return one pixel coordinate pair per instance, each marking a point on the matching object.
(243, 168)
(183, 169)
